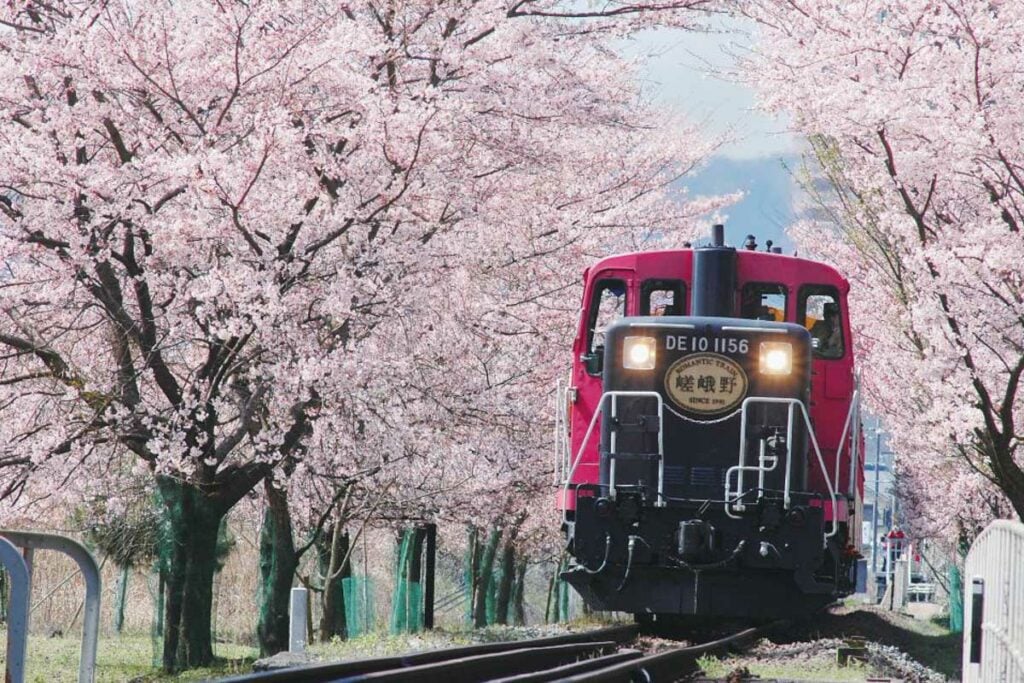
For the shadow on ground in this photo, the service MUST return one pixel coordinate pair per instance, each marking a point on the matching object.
(923, 641)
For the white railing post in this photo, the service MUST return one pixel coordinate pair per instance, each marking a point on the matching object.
(31, 540)
(993, 596)
(17, 611)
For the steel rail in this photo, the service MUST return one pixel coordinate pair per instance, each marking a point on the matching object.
(349, 669)
(487, 667)
(670, 665)
(562, 672)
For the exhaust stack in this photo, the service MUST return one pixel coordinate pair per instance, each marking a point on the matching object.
(713, 290)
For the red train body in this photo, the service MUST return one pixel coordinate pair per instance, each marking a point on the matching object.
(736, 486)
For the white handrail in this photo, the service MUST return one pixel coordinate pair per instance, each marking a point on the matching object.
(590, 429)
(791, 403)
(851, 415)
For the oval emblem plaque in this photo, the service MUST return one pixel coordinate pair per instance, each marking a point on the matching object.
(706, 383)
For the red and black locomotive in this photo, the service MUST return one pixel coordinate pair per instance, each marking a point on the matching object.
(710, 454)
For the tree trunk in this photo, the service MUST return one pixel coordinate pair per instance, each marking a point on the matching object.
(335, 568)
(278, 562)
(193, 520)
(486, 571)
(508, 577)
(552, 598)
(472, 562)
(518, 601)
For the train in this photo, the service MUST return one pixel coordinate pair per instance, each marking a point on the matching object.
(709, 437)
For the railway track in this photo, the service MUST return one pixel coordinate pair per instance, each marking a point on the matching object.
(592, 656)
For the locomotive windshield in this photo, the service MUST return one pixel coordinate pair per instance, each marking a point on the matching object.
(609, 304)
(820, 313)
(764, 301)
(663, 297)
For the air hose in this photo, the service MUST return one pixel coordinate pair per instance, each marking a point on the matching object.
(714, 565)
(604, 562)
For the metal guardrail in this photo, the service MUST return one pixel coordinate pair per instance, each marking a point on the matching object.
(19, 566)
(994, 605)
(17, 611)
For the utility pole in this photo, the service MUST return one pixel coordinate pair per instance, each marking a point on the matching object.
(874, 507)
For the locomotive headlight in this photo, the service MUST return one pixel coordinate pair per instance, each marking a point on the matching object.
(638, 353)
(776, 358)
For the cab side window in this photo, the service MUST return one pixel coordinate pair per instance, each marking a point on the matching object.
(607, 305)
(764, 301)
(819, 311)
(663, 297)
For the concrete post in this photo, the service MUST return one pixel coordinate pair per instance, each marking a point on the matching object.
(297, 621)
(900, 580)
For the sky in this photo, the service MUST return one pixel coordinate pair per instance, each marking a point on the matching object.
(687, 71)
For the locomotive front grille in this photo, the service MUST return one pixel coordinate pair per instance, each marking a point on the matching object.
(707, 476)
(675, 475)
(682, 475)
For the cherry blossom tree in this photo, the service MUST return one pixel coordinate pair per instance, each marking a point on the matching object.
(242, 241)
(911, 111)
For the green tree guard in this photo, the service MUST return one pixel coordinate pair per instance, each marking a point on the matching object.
(508, 577)
(193, 521)
(335, 567)
(278, 562)
(414, 574)
(956, 599)
(484, 576)
(120, 598)
(407, 609)
(359, 605)
(399, 605)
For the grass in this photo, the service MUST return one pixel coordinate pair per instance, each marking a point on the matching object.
(130, 657)
(119, 659)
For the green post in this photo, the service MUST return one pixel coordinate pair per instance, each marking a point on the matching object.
(552, 596)
(956, 600)
(563, 592)
(120, 598)
(405, 608)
